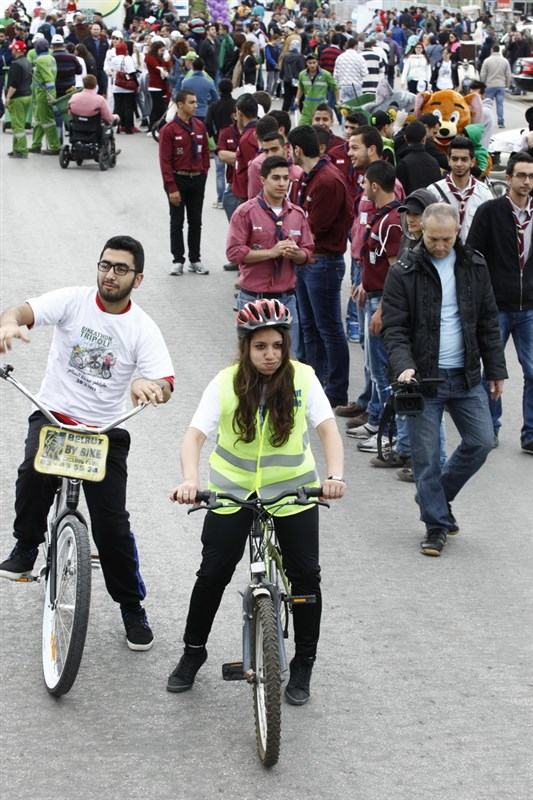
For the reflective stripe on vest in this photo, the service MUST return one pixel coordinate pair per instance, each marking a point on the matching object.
(243, 469)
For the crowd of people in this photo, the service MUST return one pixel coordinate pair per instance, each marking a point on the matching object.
(441, 271)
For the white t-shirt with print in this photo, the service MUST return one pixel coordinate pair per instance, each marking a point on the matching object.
(94, 355)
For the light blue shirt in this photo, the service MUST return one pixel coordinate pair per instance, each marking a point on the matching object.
(452, 346)
(203, 88)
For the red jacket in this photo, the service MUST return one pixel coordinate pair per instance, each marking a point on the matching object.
(328, 204)
(228, 139)
(246, 151)
(176, 152)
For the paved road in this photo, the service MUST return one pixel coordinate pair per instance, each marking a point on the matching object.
(421, 688)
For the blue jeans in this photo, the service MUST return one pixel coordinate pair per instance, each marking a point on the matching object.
(318, 290)
(230, 202)
(436, 486)
(519, 325)
(376, 361)
(220, 170)
(497, 93)
(288, 300)
(356, 313)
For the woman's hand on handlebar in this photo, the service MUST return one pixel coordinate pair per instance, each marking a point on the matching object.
(185, 493)
(333, 490)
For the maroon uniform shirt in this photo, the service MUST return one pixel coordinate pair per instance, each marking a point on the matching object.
(176, 151)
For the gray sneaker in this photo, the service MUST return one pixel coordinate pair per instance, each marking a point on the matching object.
(176, 268)
(198, 267)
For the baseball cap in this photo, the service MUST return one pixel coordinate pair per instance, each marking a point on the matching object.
(190, 56)
(380, 118)
(117, 35)
(418, 201)
(289, 24)
(57, 39)
(310, 56)
(17, 44)
(176, 35)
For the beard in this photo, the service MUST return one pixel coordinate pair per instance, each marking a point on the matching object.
(114, 295)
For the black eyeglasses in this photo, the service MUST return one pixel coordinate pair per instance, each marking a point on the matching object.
(118, 269)
(523, 176)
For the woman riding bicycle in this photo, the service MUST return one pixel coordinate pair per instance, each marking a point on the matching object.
(259, 407)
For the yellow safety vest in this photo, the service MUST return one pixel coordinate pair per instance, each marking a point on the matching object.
(242, 468)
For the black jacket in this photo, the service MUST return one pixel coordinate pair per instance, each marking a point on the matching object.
(100, 54)
(493, 233)
(417, 169)
(412, 312)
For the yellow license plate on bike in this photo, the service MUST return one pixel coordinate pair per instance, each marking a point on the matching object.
(71, 454)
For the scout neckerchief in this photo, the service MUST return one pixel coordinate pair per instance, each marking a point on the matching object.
(308, 177)
(462, 199)
(190, 131)
(278, 221)
(520, 228)
(380, 213)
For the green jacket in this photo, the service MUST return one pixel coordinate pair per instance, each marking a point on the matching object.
(44, 72)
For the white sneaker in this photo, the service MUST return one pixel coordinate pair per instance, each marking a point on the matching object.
(216, 204)
(362, 431)
(176, 268)
(371, 445)
(198, 267)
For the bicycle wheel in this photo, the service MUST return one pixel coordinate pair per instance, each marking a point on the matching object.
(65, 620)
(277, 576)
(267, 681)
(499, 188)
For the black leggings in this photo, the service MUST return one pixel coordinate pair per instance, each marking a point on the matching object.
(224, 538)
(106, 501)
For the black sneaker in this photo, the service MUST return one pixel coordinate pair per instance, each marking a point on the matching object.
(182, 678)
(453, 528)
(139, 635)
(19, 564)
(434, 542)
(297, 690)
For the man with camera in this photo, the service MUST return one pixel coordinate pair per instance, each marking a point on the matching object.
(439, 317)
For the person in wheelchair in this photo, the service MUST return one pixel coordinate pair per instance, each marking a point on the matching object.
(91, 128)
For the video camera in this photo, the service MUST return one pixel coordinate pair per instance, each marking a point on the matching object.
(407, 398)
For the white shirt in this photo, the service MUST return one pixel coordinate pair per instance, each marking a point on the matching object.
(207, 415)
(481, 195)
(350, 67)
(94, 355)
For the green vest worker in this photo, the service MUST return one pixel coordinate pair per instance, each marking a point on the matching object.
(314, 84)
(44, 82)
(259, 410)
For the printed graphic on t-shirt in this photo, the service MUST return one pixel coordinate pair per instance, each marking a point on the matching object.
(93, 357)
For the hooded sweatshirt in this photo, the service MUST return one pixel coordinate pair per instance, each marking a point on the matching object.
(475, 133)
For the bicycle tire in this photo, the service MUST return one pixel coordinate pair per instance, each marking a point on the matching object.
(65, 621)
(267, 681)
(280, 581)
(499, 188)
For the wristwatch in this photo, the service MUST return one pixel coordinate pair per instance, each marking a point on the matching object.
(336, 478)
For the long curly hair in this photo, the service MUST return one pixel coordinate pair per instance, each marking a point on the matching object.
(248, 386)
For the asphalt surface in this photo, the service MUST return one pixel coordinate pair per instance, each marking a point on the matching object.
(423, 683)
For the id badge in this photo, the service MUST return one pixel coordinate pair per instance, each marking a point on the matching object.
(363, 218)
(372, 256)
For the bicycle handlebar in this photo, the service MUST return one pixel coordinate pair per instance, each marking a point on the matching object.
(300, 496)
(81, 428)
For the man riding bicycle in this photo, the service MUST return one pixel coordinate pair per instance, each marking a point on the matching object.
(84, 318)
(259, 407)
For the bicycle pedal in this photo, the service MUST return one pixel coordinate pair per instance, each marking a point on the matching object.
(27, 579)
(233, 671)
(300, 599)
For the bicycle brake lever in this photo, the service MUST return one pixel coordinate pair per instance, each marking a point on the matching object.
(205, 507)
